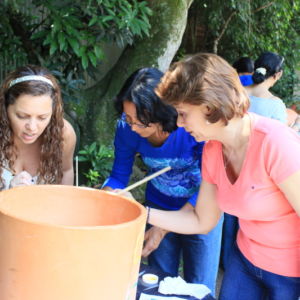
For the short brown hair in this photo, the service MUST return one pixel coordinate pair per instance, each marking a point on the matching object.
(208, 79)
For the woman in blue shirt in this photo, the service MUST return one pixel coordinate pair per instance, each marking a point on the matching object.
(148, 126)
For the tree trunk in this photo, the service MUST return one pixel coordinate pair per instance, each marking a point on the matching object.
(167, 27)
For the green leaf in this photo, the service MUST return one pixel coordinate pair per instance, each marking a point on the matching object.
(48, 40)
(111, 12)
(93, 58)
(92, 147)
(74, 44)
(39, 34)
(61, 40)
(56, 26)
(105, 19)
(53, 47)
(81, 158)
(93, 21)
(71, 30)
(84, 61)
(98, 52)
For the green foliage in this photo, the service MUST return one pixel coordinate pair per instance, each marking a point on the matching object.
(100, 159)
(238, 28)
(70, 85)
(261, 26)
(10, 43)
(69, 33)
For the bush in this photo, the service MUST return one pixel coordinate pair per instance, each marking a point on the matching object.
(100, 159)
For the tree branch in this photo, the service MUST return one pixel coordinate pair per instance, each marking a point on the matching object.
(37, 26)
(263, 7)
(217, 40)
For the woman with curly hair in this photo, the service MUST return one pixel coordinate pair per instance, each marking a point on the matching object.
(36, 143)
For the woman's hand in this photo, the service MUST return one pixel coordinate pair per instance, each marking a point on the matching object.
(23, 178)
(118, 191)
(153, 237)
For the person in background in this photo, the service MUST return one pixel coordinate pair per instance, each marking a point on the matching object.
(36, 143)
(250, 169)
(245, 68)
(267, 71)
(148, 127)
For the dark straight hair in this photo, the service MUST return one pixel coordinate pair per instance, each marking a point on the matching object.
(244, 65)
(139, 89)
(269, 61)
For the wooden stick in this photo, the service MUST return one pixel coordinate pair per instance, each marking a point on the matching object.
(132, 186)
(76, 169)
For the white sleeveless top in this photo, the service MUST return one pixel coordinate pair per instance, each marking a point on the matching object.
(8, 176)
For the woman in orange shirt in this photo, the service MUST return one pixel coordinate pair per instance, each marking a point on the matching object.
(251, 169)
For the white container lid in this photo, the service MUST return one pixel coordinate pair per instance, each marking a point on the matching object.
(150, 279)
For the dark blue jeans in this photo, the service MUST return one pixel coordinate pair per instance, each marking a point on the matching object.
(200, 254)
(244, 281)
(230, 228)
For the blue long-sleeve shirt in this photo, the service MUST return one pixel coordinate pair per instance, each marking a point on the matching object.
(181, 151)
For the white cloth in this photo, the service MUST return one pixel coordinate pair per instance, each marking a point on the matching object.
(178, 286)
(7, 177)
(154, 297)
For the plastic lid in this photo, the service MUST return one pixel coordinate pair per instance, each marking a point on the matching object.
(150, 279)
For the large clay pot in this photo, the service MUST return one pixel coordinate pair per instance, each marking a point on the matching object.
(69, 243)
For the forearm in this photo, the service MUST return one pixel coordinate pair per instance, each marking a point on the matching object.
(68, 177)
(182, 221)
(68, 154)
(189, 220)
(187, 207)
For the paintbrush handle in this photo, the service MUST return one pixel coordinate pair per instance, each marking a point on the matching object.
(147, 178)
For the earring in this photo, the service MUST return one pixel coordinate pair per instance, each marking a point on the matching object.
(207, 122)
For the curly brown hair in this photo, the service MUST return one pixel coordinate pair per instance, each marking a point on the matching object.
(208, 79)
(50, 167)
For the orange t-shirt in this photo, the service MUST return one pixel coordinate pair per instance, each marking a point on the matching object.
(269, 234)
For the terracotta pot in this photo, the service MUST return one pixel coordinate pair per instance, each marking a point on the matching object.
(69, 243)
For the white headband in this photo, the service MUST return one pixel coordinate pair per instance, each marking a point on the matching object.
(29, 78)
